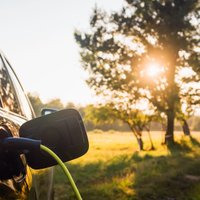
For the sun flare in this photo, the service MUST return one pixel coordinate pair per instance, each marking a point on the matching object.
(153, 69)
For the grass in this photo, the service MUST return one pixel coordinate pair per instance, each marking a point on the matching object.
(114, 169)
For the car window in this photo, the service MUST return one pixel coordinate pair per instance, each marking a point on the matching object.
(8, 97)
(24, 102)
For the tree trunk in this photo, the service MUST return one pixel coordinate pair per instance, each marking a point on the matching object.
(138, 138)
(172, 92)
(150, 138)
(140, 143)
(169, 136)
(186, 129)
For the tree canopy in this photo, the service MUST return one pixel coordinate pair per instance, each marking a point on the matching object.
(149, 51)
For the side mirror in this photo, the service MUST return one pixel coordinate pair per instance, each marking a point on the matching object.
(62, 131)
(47, 111)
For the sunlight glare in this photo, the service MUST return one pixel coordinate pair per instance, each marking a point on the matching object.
(153, 69)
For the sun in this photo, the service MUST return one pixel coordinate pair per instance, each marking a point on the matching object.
(153, 69)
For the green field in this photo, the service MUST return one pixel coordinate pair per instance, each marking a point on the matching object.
(114, 169)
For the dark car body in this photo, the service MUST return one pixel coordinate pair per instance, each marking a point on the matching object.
(17, 179)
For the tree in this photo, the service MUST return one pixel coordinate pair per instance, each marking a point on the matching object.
(36, 102)
(54, 103)
(38, 105)
(136, 120)
(121, 46)
(70, 105)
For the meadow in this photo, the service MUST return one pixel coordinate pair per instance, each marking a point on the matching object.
(113, 169)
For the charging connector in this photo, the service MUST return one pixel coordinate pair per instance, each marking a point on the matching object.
(24, 145)
(20, 144)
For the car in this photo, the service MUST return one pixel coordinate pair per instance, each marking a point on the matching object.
(27, 172)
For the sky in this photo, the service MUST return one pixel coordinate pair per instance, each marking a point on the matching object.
(37, 38)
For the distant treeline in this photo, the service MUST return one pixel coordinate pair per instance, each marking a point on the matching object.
(38, 105)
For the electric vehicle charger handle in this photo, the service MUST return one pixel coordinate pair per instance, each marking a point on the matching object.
(23, 144)
(20, 144)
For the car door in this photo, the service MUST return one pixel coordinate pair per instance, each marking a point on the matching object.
(15, 177)
(15, 109)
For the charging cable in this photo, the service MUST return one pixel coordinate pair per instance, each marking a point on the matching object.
(25, 145)
(64, 168)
